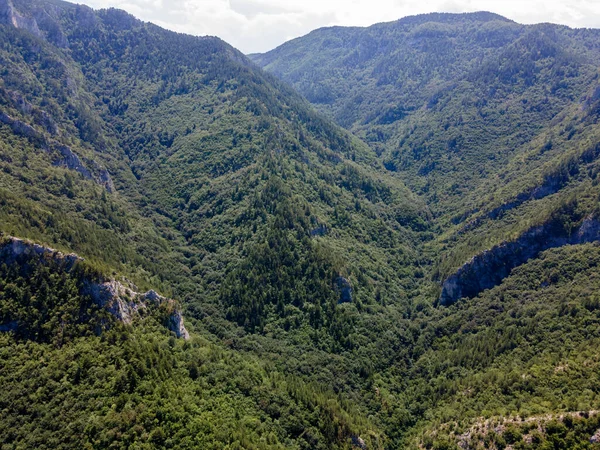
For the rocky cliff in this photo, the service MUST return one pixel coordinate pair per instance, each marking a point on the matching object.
(63, 155)
(123, 302)
(488, 269)
(10, 16)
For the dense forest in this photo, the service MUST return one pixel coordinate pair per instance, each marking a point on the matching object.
(384, 238)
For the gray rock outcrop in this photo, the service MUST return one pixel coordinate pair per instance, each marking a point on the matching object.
(15, 247)
(358, 442)
(125, 304)
(10, 16)
(345, 288)
(489, 268)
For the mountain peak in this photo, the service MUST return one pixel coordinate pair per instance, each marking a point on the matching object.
(444, 17)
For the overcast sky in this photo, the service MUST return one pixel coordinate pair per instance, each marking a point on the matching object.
(260, 25)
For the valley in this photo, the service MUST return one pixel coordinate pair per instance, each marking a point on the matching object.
(382, 237)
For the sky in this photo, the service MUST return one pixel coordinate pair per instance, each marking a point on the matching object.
(261, 25)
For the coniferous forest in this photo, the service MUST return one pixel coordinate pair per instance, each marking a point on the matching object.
(366, 238)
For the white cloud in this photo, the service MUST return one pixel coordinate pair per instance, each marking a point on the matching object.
(260, 25)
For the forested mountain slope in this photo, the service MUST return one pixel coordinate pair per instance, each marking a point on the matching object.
(174, 162)
(307, 271)
(208, 158)
(98, 356)
(494, 125)
(491, 122)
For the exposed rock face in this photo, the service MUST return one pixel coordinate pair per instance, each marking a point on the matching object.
(20, 128)
(15, 247)
(595, 439)
(39, 22)
(103, 178)
(175, 324)
(358, 442)
(488, 269)
(10, 16)
(345, 288)
(122, 302)
(71, 161)
(67, 159)
(126, 305)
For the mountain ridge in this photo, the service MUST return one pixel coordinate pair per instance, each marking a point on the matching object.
(482, 16)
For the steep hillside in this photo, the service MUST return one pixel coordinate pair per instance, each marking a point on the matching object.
(525, 351)
(491, 122)
(99, 356)
(449, 99)
(174, 162)
(205, 158)
(494, 125)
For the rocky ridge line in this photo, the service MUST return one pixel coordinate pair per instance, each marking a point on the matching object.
(124, 303)
(487, 269)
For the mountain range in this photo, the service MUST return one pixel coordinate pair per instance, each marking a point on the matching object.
(380, 237)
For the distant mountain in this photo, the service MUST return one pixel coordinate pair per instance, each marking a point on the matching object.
(403, 63)
(477, 114)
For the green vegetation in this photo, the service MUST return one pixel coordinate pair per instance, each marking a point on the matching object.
(497, 145)
(544, 432)
(115, 385)
(307, 258)
(486, 119)
(525, 348)
(43, 302)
